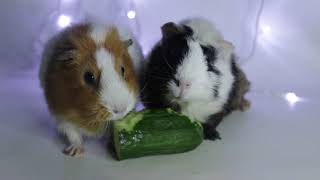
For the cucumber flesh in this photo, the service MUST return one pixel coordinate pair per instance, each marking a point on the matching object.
(154, 132)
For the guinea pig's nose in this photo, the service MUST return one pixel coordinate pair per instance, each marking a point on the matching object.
(119, 110)
(186, 84)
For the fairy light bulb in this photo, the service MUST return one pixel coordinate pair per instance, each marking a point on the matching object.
(131, 14)
(64, 21)
(292, 98)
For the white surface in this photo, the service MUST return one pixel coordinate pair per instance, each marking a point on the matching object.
(274, 140)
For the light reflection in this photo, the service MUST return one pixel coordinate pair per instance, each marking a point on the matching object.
(67, 1)
(292, 98)
(64, 21)
(266, 29)
(131, 14)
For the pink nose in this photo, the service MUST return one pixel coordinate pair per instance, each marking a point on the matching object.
(184, 85)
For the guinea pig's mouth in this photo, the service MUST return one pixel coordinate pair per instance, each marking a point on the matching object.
(119, 113)
(175, 100)
(100, 113)
(115, 117)
(179, 100)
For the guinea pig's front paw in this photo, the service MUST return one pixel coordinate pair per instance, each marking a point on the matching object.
(210, 133)
(74, 151)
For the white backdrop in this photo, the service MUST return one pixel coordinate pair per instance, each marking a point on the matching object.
(26, 25)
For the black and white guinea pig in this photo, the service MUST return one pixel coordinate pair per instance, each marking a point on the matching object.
(192, 70)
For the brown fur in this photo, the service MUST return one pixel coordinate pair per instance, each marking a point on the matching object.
(67, 95)
(243, 86)
(120, 51)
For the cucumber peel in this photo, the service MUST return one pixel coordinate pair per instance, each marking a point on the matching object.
(155, 132)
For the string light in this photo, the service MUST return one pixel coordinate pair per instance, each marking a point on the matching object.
(265, 29)
(292, 98)
(255, 34)
(64, 21)
(131, 14)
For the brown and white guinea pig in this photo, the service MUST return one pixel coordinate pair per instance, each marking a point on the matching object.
(89, 77)
(193, 70)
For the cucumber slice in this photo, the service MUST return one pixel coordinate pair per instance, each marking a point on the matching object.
(155, 132)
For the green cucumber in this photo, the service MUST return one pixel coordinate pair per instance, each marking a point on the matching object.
(155, 132)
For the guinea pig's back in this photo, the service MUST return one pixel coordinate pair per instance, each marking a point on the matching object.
(204, 30)
(45, 59)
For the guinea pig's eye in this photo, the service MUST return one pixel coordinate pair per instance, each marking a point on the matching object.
(122, 71)
(176, 81)
(89, 78)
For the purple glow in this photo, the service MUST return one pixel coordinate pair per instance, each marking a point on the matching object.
(139, 107)
(67, 1)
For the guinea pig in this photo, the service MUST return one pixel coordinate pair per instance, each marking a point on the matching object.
(207, 34)
(89, 77)
(193, 70)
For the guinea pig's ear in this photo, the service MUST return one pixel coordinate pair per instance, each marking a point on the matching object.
(187, 30)
(64, 52)
(169, 29)
(128, 43)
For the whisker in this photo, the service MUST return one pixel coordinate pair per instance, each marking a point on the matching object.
(155, 69)
(165, 59)
(159, 73)
(145, 85)
(108, 123)
(171, 102)
(145, 102)
(159, 77)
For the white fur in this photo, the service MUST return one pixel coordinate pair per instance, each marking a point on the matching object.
(194, 70)
(134, 50)
(73, 133)
(114, 92)
(204, 30)
(99, 32)
(199, 102)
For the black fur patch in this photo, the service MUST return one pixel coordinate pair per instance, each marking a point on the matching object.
(214, 120)
(187, 31)
(211, 56)
(161, 68)
(210, 53)
(216, 90)
(210, 127)
(235, 72)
